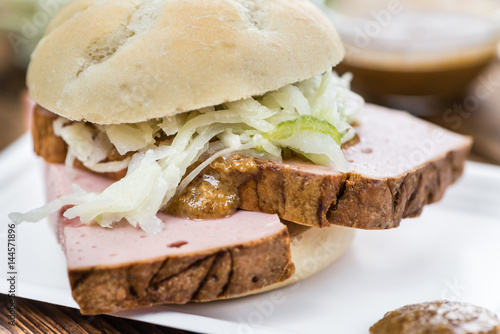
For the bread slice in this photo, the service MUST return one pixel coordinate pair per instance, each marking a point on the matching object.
(397, 164)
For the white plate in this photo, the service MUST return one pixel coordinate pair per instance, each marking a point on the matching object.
(452, 251)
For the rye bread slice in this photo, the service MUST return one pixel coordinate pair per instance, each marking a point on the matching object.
(396, 165)
(112, 269)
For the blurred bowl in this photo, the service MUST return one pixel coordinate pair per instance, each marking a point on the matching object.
(400, 52)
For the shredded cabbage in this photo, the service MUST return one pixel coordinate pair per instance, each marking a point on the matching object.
(312, 117)
(130, 137)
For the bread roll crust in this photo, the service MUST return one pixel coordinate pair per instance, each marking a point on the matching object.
(124, 61)
(313, 249)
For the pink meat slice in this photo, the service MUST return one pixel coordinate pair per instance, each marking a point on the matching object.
(392, 143)
(112, 269)
(90, 246)
(396, 165)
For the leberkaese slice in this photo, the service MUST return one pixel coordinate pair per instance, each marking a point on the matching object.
(396, 165)
(191, 260)
(123, 267)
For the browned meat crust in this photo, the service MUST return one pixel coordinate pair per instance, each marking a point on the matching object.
(51, 147)
(45, 143)
(305, 196)
(350, 199)
(220, 274)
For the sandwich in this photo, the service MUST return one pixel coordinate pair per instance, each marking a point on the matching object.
(202, 150)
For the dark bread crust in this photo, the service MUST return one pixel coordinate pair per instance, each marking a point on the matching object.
(219, 274)
(308, 197)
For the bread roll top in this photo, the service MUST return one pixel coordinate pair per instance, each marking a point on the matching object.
(126, 61)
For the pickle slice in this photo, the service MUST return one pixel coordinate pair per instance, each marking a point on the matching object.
(310, 123)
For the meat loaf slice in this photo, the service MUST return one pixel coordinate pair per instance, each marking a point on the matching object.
(122, 268)
(396, 165)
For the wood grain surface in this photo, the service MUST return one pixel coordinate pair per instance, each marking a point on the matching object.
(37, 317)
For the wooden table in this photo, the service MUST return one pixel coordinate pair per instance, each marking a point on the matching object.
(37, 317)
(43, 318)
